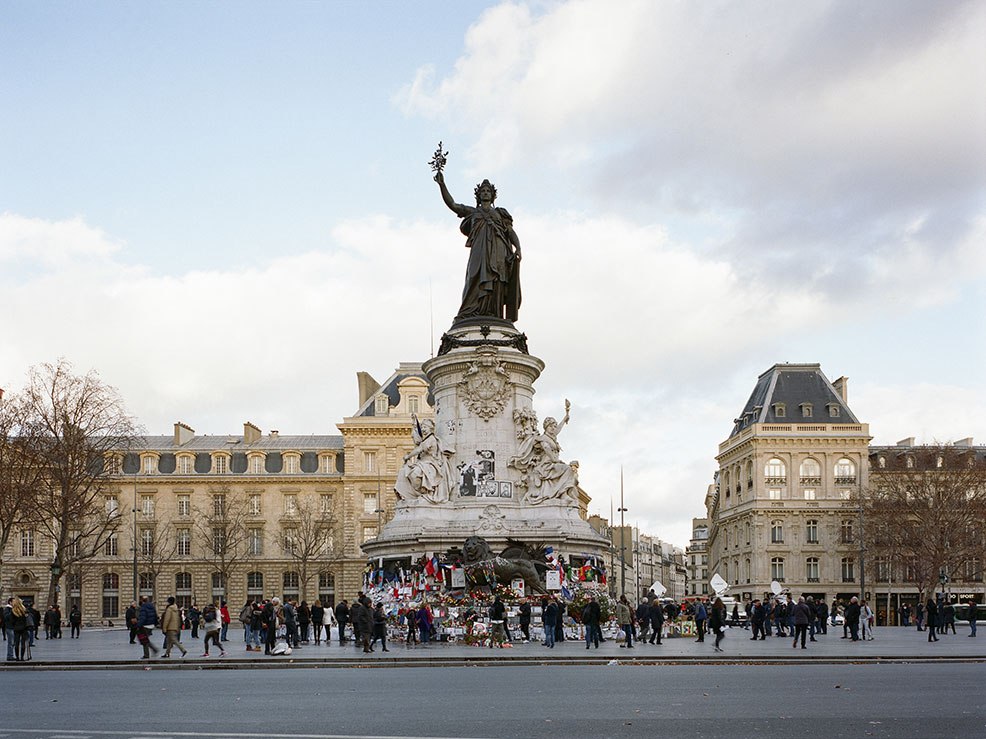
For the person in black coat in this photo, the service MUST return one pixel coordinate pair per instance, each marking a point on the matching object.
(131, 618)
(379, 627)
(931, 613)
(591, 615)
(656, 622)
(525, 619)
(342, 616)
(852, 617)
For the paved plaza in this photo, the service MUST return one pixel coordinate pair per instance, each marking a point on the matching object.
(111, 647)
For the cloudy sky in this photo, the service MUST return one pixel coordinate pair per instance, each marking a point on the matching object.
(226, 209)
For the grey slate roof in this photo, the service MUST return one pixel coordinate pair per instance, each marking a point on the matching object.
(392, 391)
(793, 385)
(232, 442)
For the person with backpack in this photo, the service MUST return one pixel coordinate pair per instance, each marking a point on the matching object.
(701, 616)
(212, 625)
(146, 621)
(246, 618)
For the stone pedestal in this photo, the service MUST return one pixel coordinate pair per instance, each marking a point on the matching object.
(483, 384)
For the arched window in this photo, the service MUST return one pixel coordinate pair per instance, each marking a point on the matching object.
(776, 532)
(746, 570)
(255, 584)
(290, 581)
(183, 589)
(725, 483)
(327, 589)
(811, 469)
(111, 595)
(147, 584)
(777, 569)
(775, 472)
(811, 569)
(845, 472)
(218, 587)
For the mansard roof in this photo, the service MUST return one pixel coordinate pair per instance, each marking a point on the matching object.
(391, 388)
(793, 386)
(238, 443)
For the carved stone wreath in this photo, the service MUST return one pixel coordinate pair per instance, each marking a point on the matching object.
(486, 385)
(492, 518)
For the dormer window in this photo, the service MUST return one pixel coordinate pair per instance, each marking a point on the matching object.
(382, 405)
(806, 410)
(780, 410)
(834, 410)
(412, 404)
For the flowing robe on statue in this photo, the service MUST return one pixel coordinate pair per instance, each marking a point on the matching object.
(543, 471)
(492, 286)
(429, 474)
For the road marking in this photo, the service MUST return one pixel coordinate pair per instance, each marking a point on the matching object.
(82, 734)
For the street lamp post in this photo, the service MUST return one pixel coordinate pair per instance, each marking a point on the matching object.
(134, 535)
(623, 535)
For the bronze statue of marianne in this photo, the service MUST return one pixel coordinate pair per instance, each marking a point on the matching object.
(492, 288)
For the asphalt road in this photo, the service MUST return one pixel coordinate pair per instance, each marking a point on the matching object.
(820, 701)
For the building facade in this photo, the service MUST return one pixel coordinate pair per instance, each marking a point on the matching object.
(207, 518)
(784, 506)
(697, 557)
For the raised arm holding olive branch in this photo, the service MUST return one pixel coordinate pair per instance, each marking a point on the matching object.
(492, 285)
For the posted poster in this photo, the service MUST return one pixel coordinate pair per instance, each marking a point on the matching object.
(553, 580)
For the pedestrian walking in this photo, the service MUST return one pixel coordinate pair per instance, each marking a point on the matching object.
(624, 620)
(591, 614)
(212, 625)
(146, 621)
(972, 618)
(717, 622)
(701, 616)
(224, 616)
(379, 627)
(171, 623)
(919, 616)
(131, 618)
(656, 621)
(75, 622)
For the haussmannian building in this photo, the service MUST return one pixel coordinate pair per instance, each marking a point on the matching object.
(184, 499)
(783, 506)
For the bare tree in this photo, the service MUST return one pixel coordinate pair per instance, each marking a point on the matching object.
(221, 527)
(81, 421)
(21, 471)
(926, 508)
(156, 550)
(310, 540)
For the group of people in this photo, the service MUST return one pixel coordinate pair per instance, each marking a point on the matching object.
(20, 622)
(937, 616)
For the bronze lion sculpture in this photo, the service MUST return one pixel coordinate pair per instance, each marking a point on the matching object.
(513, 563)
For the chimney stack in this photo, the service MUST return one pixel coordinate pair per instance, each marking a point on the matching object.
(842, 388)
(251, 433)
(909, 441)
(183, 433)
(367, 387)
(966, 442)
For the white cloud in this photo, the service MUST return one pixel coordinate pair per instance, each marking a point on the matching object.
(822, 128)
